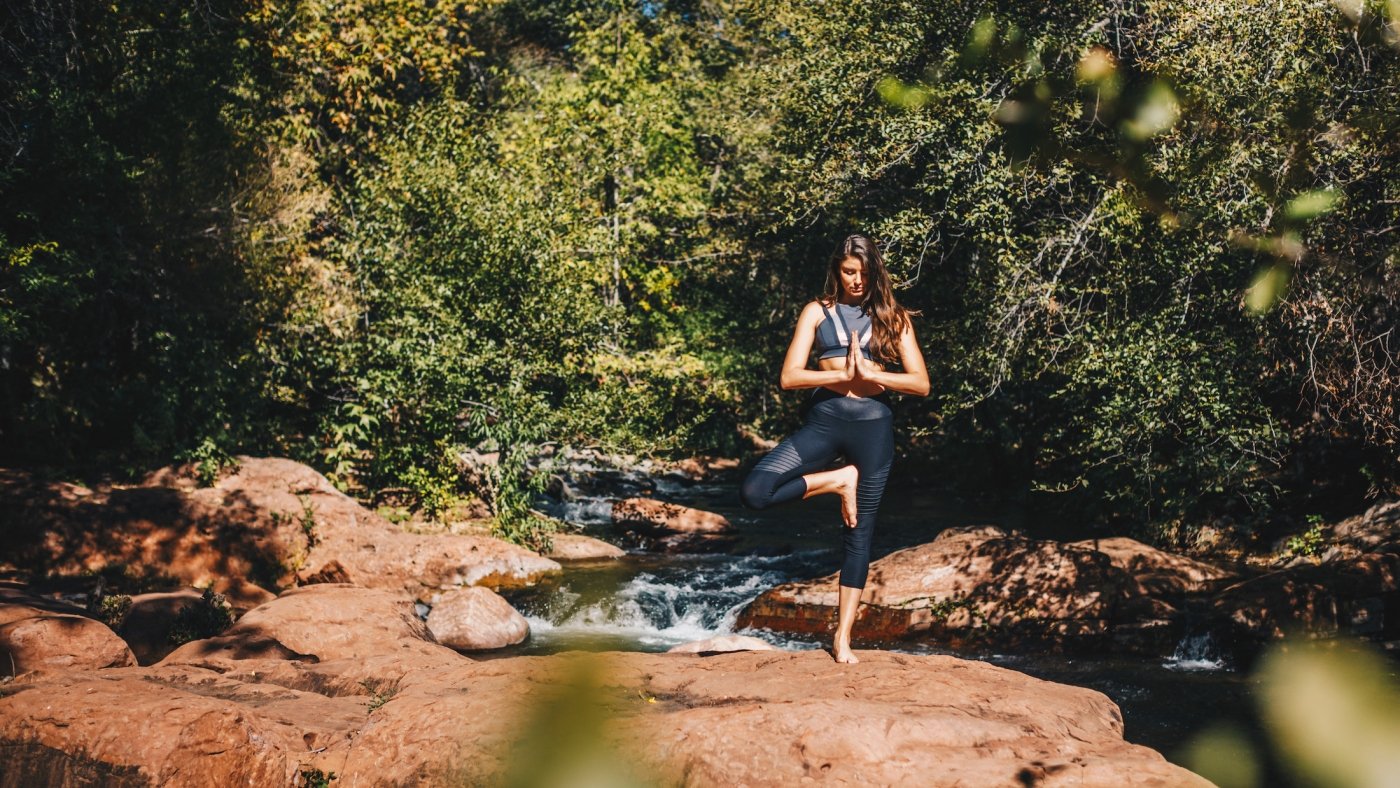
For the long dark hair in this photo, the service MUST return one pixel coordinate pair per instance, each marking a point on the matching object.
(888, 318)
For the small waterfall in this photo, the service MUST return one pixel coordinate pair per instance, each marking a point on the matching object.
(656, 609)
(1196, 651)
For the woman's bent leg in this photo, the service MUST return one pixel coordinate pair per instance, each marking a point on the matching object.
(777, 478)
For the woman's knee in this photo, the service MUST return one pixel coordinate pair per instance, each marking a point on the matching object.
(757, 490)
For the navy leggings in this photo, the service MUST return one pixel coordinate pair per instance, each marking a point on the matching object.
(861, 429)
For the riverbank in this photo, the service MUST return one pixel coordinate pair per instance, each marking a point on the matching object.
(288, 533)
(373, 701)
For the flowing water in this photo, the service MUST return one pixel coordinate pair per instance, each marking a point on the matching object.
(652, 602)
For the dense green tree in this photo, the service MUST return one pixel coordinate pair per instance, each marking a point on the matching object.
(1153, 245)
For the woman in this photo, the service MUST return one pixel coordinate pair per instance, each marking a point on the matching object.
(859, 330)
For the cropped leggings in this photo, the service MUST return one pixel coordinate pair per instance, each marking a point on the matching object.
(861, 429)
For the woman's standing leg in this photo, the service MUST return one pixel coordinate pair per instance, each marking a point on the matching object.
(869, 443)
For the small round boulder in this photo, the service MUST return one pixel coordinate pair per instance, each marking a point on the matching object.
(476, 618)
(50, 642)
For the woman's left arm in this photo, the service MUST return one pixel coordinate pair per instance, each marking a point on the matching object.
(913, 380)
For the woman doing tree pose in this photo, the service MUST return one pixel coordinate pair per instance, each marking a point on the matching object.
(858, 330)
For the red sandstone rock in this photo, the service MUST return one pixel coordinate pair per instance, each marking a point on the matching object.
(471, 619)
(319, 623)
(270, 524)
(722, 643)
(968, 585)
(577, 547)
(1355, 596)
(1373, 529)
(748, 718)
(672, 528)
(1158, 572)
(36, 639)
(705, 468)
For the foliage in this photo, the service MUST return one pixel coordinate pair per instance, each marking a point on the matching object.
(315, 778)
(204, 618)
(1310, 542)
(210, 461)
(1157, 274)
(379, 694)
(112, 609)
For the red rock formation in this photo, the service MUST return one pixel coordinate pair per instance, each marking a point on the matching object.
(270, 524)
(319, 623)
(1158, 572)
(672, 528)
(968, 586)
(471, 619)
(747, 718)
(577, 547)
(41, 638)
(1356, 596)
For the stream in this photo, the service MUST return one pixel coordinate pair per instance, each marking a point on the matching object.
(648, 602)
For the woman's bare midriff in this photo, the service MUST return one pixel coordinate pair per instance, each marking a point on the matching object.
(850, 388)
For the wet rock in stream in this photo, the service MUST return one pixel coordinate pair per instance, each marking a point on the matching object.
(663, 527)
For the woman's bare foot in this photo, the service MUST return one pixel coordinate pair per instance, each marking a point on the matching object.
(843, 654)
(841, 481)
(848, 479)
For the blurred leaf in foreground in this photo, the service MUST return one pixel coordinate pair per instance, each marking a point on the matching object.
(1156, 114)
(1223, 755)
(1333, 711)
(569, 736)
(1268, 287)
(1310, 205)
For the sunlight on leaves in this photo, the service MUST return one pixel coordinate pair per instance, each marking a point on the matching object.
(1334, 712)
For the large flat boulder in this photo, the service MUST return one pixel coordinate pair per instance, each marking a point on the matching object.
(318, 623)
(1373, 530)
(970, 586)
(746, 718)
(270, 524)
(721, 643)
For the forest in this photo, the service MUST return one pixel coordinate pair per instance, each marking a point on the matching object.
(1153, 245)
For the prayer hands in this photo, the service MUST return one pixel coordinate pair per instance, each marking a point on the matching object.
(858, 367)
(853, 358)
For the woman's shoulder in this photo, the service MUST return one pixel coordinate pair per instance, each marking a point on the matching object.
(814, 309)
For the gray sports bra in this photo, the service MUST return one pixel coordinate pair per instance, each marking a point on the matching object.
(834, 333)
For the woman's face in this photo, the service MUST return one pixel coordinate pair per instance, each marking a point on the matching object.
(852, 274)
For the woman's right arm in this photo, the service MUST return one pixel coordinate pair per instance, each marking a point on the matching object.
(795, 373)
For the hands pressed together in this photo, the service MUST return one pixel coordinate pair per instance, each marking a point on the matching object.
(858, 367)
